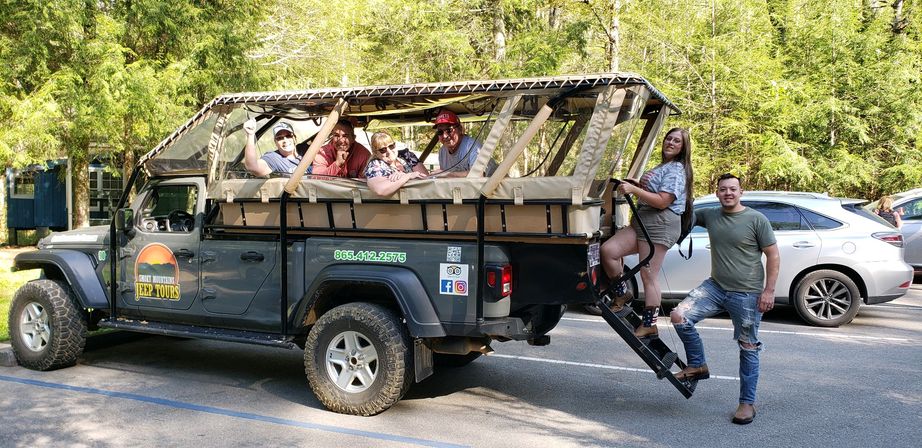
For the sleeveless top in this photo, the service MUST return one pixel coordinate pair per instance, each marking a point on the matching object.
(887, 215)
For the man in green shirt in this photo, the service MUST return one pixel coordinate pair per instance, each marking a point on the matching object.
(739, 285)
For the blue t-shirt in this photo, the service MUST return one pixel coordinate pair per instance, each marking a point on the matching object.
(463, 159)
(279, 163)
(667, 178)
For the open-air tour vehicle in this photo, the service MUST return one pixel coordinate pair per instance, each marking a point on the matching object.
(377, 290)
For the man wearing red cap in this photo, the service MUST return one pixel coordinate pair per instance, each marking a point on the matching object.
(342, 156)
(459, 151)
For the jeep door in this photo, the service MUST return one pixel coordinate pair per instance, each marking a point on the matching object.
(158, 263)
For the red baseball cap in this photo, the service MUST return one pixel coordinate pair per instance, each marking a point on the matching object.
(446, 117)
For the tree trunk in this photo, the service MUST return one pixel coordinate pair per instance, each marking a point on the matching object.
(898, 24)
(81, 187)
(553, 17)
(499, 33)
(3, 208)
(614, 38)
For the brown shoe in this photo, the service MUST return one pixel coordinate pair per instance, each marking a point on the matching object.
(744, 414)
(693, 373)
(618, 302)
(646, 332)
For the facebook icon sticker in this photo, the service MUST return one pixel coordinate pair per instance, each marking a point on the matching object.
(447, 287)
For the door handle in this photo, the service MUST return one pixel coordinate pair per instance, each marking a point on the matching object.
(252, 256)
(207, 256)
(184, 253)
(803, 244)
(209, 293)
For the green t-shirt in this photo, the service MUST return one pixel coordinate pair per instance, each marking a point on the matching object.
(737, 240)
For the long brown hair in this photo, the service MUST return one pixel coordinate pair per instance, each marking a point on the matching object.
(684, 157)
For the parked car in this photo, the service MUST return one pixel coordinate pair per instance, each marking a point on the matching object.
(909, 204)
(834, 255)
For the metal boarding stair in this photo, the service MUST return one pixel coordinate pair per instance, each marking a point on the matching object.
(652, 350)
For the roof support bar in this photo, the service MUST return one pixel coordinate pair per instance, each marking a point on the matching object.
(217, 141)
(496, 133)
(319, 139)
(568, 141)
(647, 142)
(510, 157)
(602, 122)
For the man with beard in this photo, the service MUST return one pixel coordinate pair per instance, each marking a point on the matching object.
(342, 156)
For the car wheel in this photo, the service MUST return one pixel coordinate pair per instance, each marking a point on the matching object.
(47, 329)
(593, 309)
(827, 298)
(446, 360)
(358, 359)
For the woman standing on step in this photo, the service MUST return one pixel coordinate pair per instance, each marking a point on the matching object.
(664, 197)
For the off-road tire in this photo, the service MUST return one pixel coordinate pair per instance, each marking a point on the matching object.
(387, 339)
(826, 298)
(47, 328)
(452, 361)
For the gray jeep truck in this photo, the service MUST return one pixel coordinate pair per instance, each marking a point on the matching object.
(377, 291)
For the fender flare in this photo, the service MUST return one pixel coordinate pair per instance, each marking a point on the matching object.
(411, 296)
(78, 269)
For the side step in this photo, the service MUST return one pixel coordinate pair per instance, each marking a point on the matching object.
(191, 331)
(653, 351)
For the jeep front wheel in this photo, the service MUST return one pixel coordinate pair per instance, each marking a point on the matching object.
(358, 359)
(47, 330)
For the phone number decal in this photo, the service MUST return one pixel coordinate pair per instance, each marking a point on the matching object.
(370, 255)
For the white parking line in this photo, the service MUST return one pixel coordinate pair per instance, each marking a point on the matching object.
(589, 364)
(761, 331)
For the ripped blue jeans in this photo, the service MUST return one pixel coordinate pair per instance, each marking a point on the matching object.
(709, 299)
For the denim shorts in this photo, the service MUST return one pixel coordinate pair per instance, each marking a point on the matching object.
(664, 226)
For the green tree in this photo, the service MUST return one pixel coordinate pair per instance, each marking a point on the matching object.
(114, 75)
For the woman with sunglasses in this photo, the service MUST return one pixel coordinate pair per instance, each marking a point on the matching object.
(387, 171)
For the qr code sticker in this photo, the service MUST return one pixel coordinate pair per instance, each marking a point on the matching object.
(454, 254)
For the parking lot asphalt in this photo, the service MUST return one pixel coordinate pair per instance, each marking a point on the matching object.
(858, 385)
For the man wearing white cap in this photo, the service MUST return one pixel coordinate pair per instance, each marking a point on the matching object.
(459, 151)
(283, 160)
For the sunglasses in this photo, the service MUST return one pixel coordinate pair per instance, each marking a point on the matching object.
(445, 132)
(281, 137)
(387, 148)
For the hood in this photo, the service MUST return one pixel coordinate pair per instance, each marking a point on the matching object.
(95, 236)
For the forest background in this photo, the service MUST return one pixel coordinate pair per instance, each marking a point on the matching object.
(810, 95)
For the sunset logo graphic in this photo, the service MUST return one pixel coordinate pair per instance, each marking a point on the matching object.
(156, 273)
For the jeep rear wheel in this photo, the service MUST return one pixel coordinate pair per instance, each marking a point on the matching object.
(358, 359)
(47, 329)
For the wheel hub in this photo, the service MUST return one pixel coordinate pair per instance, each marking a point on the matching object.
(356, 360)
(33, 326)
(352, 361)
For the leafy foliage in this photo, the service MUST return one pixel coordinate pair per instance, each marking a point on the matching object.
(790, 94)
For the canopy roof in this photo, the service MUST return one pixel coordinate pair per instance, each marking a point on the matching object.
(388, 105)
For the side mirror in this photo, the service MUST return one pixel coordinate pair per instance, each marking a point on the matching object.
(124, 219)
